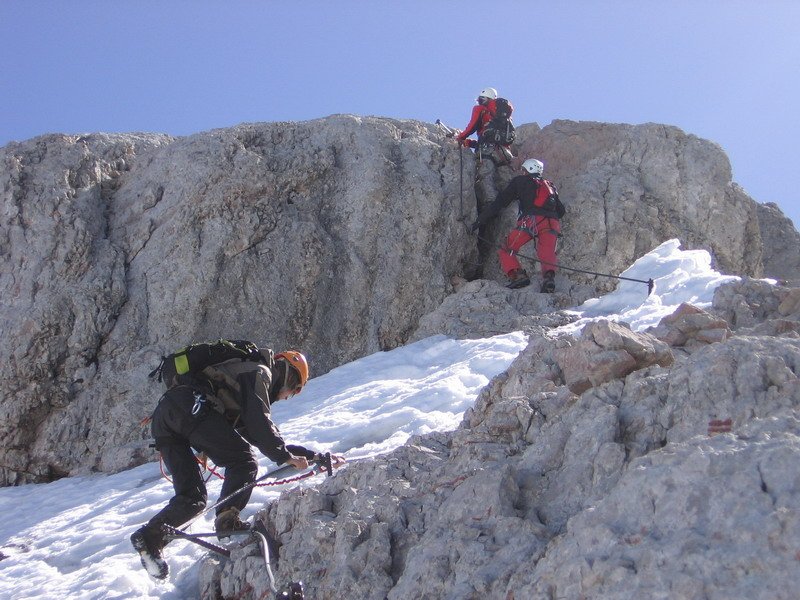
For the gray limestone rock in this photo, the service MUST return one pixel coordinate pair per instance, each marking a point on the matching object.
(710, 518)
(627, 188)
(690, 327)
(750, 303)
(608, 351)
(64, 283)
(484, 308)
(625, 491)
(332, 236)
(341, 236)
(781, 241)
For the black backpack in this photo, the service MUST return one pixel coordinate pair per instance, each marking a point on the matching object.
(500, 129)
(554, 205)
(502, 108)
(193, 359)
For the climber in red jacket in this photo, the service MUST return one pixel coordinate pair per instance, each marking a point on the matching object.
(482, 113)
(491, 120)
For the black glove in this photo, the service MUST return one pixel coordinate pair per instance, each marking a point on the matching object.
(474, 227)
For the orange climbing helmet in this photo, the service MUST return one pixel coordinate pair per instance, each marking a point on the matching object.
(296, 360)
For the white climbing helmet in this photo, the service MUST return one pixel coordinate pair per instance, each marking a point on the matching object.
(489, 93)
(533, 166)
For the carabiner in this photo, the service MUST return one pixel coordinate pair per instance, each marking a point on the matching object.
(199, 401)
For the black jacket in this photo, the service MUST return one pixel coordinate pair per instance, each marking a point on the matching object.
(255, 424)
(244, 392)
(525, 189)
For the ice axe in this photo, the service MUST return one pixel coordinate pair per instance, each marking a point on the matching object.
(448, 132)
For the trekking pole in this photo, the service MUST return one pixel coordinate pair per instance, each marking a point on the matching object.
(461, 182)
(649, 283)
(451, 133)
(173, 533)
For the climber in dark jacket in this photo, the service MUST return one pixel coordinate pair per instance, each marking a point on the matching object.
(540, 211)
(220, 413)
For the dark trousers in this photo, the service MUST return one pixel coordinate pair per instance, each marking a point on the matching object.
(177, 431)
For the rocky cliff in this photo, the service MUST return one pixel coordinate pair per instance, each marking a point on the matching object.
(611, 464)
(335, 236)
(630, 188)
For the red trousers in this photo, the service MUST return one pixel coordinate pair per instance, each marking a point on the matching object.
(546, 231)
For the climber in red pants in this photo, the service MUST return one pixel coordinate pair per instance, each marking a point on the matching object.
(540, 212)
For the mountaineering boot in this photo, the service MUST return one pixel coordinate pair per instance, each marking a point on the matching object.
(148, 541)
(549, 282)
(227, 521)
(519, 279)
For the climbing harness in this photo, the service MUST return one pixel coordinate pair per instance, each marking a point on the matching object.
(198, 408)
(202, 460)
(528, 225)
(487, 148)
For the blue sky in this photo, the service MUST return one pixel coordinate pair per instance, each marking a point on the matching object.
(725, 70)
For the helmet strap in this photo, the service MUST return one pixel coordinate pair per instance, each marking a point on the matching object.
(279, 371)
(285, 373)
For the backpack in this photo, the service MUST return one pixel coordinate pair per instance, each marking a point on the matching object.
(191, 360)
(503, 108)
(500, 129)
(559, 207)
(547, 199)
